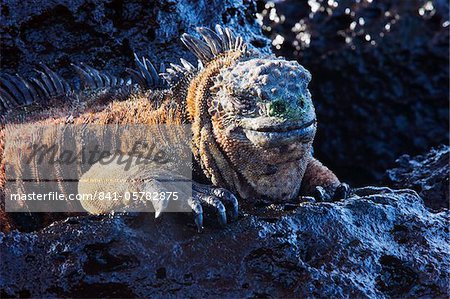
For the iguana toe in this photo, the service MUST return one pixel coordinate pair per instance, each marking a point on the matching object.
(229, 199)
(197, 210)
(220, 200)
(320, 194)
(341, 192)
(217, 205)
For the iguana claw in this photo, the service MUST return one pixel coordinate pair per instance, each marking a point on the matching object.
(320, 194)
(341, 192)
(215, 198)
(197, 210)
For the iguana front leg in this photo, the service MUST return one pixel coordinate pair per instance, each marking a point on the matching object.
(147, 179)
(322, 183)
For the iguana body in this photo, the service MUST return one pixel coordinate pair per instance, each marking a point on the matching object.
(253, 122)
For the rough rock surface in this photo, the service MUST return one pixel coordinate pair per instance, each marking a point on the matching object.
(379, 76)
(382, 243)
(428, 174)
(104, 34)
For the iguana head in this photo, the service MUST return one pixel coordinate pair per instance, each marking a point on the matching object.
(253, 118)
(264, 101)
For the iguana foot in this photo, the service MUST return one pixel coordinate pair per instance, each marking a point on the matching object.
(219, 199)
(341, 192)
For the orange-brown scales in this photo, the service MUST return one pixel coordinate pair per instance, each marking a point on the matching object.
(253, 121)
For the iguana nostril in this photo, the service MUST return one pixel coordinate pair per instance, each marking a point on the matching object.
(302, 102)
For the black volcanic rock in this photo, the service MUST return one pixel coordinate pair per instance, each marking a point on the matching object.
(383, 243)
(380, 76)
(428, 174)
(104, 34)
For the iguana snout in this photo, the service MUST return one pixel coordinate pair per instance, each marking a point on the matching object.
(289, 109)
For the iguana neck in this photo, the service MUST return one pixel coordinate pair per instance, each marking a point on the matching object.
(198, 94)
(207, 152)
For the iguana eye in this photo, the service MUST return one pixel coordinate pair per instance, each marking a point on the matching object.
(243, 105)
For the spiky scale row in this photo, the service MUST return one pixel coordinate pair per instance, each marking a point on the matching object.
(16, 91)
(213, 43)
(92, 78)
(176, 71)
(58, 85)
(146, 76)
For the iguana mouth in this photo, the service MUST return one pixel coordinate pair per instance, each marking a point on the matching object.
(290, 127)
(266, 135)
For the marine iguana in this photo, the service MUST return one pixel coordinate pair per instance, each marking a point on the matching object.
(253, 120)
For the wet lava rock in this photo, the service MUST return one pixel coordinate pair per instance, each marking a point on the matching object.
(381, 243)
(104, 34)
(428, 174)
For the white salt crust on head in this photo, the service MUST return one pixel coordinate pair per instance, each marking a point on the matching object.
(267, 79)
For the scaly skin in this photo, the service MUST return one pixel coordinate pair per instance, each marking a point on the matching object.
(253, 124)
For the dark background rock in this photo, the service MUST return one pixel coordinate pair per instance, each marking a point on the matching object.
(380, 244)
(428, 174)
(376, 99)
(104, 34)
